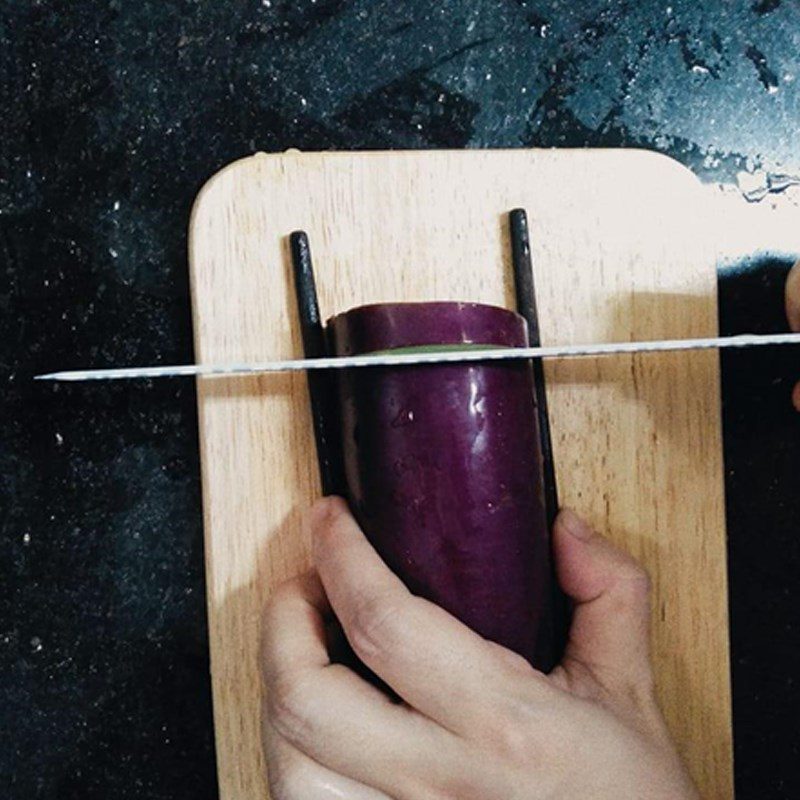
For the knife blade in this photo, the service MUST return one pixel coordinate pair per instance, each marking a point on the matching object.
(418, 358)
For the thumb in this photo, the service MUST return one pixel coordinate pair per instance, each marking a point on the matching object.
(793, 315)
(793, 297)
(610, 629)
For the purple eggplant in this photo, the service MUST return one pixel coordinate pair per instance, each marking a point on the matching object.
(443, 467)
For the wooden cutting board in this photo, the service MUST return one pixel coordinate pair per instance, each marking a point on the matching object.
(621, 253)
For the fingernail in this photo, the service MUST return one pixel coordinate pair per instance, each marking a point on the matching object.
(574, 525)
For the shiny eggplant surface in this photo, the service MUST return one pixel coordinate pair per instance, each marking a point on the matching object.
(443, 467)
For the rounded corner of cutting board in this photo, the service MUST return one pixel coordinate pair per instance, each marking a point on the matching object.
(217, 181)
(637, 163)
(667, 166)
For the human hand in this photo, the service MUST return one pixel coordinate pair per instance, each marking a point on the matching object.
(793, 314)
(476, 721)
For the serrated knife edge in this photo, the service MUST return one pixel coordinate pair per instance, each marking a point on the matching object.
(416, 359)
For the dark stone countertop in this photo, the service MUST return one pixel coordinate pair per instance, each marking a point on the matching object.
(112, 115)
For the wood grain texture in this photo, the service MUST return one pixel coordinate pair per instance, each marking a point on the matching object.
(621, 253)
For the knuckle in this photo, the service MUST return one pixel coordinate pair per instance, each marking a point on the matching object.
(379, 625)
(514, 742)
(512, 732)
(290, 709)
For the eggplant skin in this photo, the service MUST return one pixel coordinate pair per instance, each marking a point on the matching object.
(443, 468)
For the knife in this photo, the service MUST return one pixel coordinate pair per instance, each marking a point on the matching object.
(460, 355)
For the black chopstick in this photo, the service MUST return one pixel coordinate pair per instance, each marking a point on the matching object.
(526, 307)
(320, 384)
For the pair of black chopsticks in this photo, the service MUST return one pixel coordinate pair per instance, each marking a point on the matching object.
(320, 387)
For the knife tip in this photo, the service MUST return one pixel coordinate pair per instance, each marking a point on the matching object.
(56, 376)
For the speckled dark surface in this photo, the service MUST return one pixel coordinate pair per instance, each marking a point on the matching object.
(112, 115)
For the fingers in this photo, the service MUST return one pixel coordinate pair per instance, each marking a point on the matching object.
(610, 627)
(334, 717)
(294, 776)
(434, 662)
(353, 729)
(793, 297)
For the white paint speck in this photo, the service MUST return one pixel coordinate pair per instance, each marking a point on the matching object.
(36, 644)
(26, 538)
(59, 439)
(116, 205)
(772, 89)
(699, 69)
(303, 102)
(113, 253)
